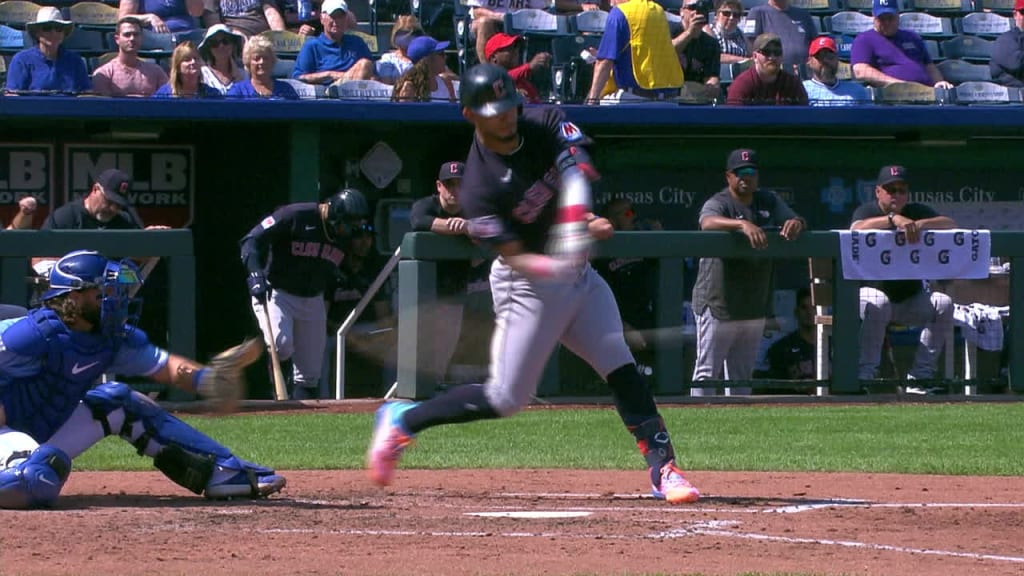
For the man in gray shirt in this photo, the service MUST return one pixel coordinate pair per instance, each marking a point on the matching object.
(733, 295)
(793, 25)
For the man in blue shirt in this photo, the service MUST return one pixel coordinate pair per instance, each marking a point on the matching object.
(825, 88)
(48, 66)
(333, 56)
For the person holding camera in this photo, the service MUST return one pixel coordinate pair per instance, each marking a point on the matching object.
(699, 52)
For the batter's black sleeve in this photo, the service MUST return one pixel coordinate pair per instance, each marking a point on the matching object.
(256, 244)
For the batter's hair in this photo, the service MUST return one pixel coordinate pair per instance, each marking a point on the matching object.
(66, 308)
(414, 85)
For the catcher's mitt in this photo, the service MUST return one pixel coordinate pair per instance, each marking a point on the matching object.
(223, 379)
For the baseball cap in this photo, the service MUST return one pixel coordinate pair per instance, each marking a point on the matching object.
(766, 39)
(879, 7)
(1018, 5)
(499, 41)
(741, 158)
(331, 6)
(822, 43)
(115, 186)
(890, 174)
(451, 171)
(423, 46)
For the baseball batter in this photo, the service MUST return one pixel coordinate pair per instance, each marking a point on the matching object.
(50, 362)
(292, 257)
(517, 167)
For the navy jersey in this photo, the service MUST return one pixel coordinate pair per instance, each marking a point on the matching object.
(74, 216)
(349, 288)
(515, 197)
(452, 275)
(896, 290)
(633, 281)
(292, 248)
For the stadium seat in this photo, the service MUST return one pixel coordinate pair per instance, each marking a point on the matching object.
(844, 43)
(865, 5)
(304, 90)
(731, 71)
(590, 22)
(3, 70)
(371, 40)
(957, 71)
(360, 90)
(848, 23)
(17, 13)
(817, 6)
(88, 43)
(363, 10)
(531, 22)
(285, 43)
(968, 48)
(11, 40)
(845, 71)
(748, 4)
(905, 93)
(1002, 6)
(970, 93)
(93, 16)
(944, 6)
(932, 46)
(984, 24)
(926, 25)
(283, 68)
(570, 74)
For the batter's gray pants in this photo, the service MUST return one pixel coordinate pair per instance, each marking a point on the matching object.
(933, 311)
(300, 331)
(726, 349)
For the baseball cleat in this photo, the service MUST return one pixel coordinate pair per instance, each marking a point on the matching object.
(390, 439)
(247, 484)
(673, 487)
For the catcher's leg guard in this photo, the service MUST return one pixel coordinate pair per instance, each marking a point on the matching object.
(188, 457)
(36, 481)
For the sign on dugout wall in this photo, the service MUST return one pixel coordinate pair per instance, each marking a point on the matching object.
(26, 170)
(163, 177)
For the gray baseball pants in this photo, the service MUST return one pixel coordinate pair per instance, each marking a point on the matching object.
(300, 331)
(725, 349)
(933, 311)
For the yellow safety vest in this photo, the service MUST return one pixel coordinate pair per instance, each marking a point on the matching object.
(655, 62)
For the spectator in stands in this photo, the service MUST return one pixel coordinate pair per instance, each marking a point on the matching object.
(633, 281)
(766, 83)
(245, 17)
(506, 51)
(127, 74)
(424, 81)
(733, 295)
(699, 53)
(186, 78)
(258, 58)
(792, 356)
(396, 62)
(1007, 63)
(48, 66)
(636, 68)
(902, 301)
(792, 25)
(888, 54)
(726, 29)
(825, 88)
(163, 16)
(220, 50)
(441, 213)
(488, 16)
(334, 55)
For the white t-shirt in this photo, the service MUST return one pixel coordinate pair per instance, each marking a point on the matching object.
(213, 81)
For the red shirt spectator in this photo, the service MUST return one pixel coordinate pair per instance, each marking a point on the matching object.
(504, 50)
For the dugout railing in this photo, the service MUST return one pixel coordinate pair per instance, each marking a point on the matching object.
(417, 280)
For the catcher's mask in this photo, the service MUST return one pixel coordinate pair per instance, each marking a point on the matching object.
(83, 270)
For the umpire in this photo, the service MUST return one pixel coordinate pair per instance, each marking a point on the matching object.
(291, 257)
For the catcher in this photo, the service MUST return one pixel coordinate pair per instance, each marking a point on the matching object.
(50, 363)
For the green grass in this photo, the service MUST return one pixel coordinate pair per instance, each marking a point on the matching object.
(958, 439)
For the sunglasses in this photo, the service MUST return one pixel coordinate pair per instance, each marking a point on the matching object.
(743, 172)
(771, 52)
(51, 28)
(218, 41)
(362, 229)
(1021, 12)
(729, 14)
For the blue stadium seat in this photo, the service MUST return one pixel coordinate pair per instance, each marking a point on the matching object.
(86, 42)
(902, 93)
(93, 15)
(818, 6)
(973, 93)
(570, 74)
(590, 22)
(943, 6)
(371, 41)
(848, 22)
(360, 90)
(531, 22)
(307, 91)
(286, 44)
(844, 43)
(927, 25)
(984, 24)
(17, 13)
(1001, 6)
(283, 68)
(970, 48)
(957, 71)
(865, 5)
(12, 40)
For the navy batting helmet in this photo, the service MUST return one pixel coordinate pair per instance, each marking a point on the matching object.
(488, 90)
(349, 205)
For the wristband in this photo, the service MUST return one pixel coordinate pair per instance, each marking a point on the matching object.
(197, 378)
(892, 219)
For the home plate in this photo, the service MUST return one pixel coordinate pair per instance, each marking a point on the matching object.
(532, 514)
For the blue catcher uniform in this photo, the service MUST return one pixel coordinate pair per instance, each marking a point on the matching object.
(47, 396)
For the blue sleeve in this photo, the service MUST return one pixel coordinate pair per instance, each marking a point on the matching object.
(18, 76)
(286, 91)
(236, 91)
(363, 50)
(616, 36)
(83, 82)
(137, 356)
(163, 91)
(306, 61)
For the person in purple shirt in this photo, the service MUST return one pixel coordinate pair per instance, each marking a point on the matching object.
(258, 58)
(333, 56)
(163, 16)
(48, 66)
(888, 54)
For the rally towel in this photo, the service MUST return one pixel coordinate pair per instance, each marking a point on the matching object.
(981, 325)
(938, 255)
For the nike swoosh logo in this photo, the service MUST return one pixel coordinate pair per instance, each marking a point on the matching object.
(76, 369)
(45, 480)
(507, 177)
(310, 227)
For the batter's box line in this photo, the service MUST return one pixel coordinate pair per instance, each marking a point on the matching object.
(712, 529)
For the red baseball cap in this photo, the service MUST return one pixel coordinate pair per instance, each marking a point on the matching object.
(500, 41)
(827, 43)
(1018, 5)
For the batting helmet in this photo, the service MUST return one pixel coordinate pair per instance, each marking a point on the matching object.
(349, 205)
(488, 90)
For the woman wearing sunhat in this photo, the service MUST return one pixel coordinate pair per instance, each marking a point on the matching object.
(48, 66)
(221, 49)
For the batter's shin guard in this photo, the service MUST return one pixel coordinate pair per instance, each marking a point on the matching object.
(654, 443)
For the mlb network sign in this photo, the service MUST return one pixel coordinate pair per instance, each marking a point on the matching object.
(163, 178)
(25, 170)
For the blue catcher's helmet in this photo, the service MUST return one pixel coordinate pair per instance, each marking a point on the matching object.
(85, 269)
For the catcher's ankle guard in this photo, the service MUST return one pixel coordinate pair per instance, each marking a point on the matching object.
(188, 470)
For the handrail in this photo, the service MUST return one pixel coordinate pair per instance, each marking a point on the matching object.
(350, 321)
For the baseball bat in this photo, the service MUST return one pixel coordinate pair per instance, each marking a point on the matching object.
(280, 393)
